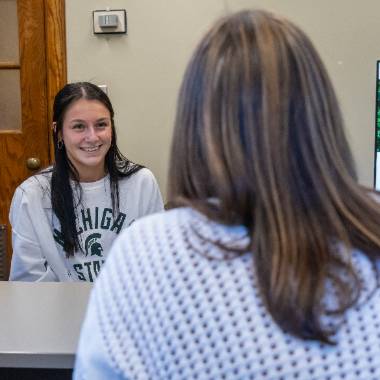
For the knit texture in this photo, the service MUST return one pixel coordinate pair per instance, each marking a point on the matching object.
(167, 306)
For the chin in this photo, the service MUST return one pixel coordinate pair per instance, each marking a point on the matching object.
(94, 164)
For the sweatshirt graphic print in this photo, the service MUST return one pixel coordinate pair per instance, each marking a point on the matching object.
(96, 230)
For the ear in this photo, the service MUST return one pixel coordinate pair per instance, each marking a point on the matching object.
(54, 126)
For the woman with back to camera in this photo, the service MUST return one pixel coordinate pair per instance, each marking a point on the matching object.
(267, 267)
(65, 218)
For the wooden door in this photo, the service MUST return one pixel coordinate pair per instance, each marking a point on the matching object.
(37, 72)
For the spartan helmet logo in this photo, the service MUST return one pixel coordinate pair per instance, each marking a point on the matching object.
(92, 246)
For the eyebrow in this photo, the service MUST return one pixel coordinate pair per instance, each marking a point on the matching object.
(82, 121)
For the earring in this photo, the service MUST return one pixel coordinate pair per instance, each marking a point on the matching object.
(60, 144)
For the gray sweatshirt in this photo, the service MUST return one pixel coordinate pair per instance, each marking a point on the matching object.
(38, 253)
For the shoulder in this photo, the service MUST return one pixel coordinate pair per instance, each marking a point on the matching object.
(140, 247)
(32, 196)
(184, 228)
(143, 177)
(140, 175)
(37, 183)
(173, 219)
(163, 245)
(144, 234)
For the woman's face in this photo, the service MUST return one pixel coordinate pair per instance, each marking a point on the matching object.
(87, 135)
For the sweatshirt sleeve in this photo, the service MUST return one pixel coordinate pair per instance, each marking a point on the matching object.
(28, 263)
(151, 199)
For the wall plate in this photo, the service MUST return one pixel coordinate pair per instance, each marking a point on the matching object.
(121, 27)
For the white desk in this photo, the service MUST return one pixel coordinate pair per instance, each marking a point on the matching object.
(40, 323)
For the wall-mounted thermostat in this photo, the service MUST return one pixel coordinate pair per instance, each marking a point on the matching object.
(113, 21)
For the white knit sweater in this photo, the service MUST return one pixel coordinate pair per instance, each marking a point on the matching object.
(166, 307)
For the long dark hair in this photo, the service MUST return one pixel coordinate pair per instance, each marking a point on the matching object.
(259, 128)
(63, 170)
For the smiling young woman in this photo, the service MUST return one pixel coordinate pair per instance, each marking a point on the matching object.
(81, 203)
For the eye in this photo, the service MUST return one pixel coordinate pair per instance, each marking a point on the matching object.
(78, 126)
(102, 124)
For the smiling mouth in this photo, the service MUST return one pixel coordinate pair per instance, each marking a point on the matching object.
(92, 148)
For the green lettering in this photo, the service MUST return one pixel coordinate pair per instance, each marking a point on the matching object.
(106, 220)
(86, 219)
(88, 265)
(96, 265)
(77, 268)
(96, 216)
(118, 223)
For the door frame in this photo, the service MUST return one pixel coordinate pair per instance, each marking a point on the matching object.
(54, 32)
(56, 59)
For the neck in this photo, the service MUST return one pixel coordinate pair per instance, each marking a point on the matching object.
(91, 175)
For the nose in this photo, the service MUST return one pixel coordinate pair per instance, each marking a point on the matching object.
(91, 134)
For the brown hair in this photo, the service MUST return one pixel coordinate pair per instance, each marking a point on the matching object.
(258, 127)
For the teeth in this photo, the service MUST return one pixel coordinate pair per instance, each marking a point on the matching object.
(91, 149)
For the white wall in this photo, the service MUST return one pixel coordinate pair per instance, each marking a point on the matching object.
(143, 69)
